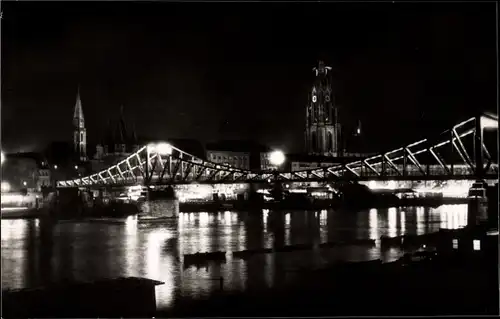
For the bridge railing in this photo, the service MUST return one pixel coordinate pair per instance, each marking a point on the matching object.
(165, 164)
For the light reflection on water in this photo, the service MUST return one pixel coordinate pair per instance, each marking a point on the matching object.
(36, 253)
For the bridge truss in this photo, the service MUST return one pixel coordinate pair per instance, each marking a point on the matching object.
(427, 159)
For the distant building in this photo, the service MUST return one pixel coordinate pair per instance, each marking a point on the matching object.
(241, 154)
(62, 163)
(228, 155)
(28, 171)
(265, 162)
(297, 162)
(44, 177)
(119, 142)
(322, 134)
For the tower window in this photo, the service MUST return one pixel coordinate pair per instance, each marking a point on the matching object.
(81, 136)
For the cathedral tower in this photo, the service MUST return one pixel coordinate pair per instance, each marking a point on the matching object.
(322, 127)
(79, 131)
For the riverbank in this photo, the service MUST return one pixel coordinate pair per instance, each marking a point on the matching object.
(125, 210)
(23, 213)
(315, 205)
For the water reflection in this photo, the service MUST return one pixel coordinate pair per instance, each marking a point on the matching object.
(402, 221)
(420, 220)
(14, 252)
(392, 230)
(452, 216)
(373, 224)
(35, 252)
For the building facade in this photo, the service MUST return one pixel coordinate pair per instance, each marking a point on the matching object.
(265, 162)
(28, 171)
(242, 154)
(322, 134)
(228, 153)
(79, 131)
(231, 158)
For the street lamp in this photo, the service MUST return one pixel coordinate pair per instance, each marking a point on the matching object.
(489, 122)
(164, 149)
(160, 148)
(277, 158)
(5, 187)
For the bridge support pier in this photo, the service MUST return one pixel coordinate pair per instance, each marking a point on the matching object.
(161, 204)
(492, 214)
(478, 204)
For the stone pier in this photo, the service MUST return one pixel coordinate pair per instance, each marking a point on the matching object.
(160, 204)
(483, 203)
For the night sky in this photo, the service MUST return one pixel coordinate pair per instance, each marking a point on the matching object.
(242, 70)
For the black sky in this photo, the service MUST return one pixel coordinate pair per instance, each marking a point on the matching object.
(183, 69)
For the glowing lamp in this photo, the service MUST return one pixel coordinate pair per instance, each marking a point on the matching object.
(277, 158)
(489, 123)
(24, 183)
(160, 148)
(3, 157)
(76, 166)
(164, 149)
(5, 187)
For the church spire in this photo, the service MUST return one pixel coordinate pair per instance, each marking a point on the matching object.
(322, 127)
(78, 118)
(79, 131)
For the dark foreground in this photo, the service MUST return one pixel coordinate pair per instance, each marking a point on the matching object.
(458, 277)
(461, 281)
(451, 286)
(386, 290)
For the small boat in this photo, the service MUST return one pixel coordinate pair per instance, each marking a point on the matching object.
(199, 258)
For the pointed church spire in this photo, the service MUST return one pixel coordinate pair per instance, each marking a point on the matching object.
(79, 131)
(78, 118)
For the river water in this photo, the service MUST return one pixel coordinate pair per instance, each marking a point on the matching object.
(35, 253)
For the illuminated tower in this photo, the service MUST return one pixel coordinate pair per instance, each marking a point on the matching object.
(79, 131)
(322, 126)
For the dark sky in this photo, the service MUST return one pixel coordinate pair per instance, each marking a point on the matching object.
(184, 69)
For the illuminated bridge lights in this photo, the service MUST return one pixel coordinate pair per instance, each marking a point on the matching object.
(164, 164)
